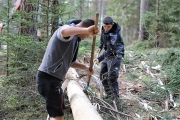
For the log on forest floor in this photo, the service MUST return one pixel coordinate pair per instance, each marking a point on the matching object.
(81, 106)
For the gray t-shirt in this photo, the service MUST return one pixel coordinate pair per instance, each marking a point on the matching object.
(59, 54)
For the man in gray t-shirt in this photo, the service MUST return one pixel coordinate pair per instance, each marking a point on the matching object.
(60, 55)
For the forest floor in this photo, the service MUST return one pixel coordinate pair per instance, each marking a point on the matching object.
(141, 88)
(136, 83)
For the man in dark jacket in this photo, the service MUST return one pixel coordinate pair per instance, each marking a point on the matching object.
(113, 45)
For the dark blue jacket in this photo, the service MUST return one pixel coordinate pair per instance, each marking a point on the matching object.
(112, 43)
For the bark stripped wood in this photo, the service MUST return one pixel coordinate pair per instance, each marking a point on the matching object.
(71, 75)
(115, 107)
(148, 116)
(175, 104)
(109, 107)
(81, 106)
(64, 85)
(101, 91)
(1, 27)
(166, 104)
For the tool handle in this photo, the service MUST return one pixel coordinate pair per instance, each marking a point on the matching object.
(93, 47)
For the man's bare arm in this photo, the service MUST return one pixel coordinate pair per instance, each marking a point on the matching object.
(67, 31)
(83, 67)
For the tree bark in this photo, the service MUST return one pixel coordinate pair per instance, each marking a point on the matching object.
(81, 4)
(28, 29)
(157, 24)
(144, 7)
(55, 18)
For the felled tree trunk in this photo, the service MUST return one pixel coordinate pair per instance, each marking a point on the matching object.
(81, 106)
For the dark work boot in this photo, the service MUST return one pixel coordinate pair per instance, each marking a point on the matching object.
(108, 92)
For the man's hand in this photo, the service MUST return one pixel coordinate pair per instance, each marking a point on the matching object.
(96, 61)
(92, 30)
(98, 50)
(90, 72)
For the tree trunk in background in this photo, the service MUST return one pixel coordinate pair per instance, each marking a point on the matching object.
(95, 6)
(28, 29)
(102, 11)
(99, 8)
(126, 32)
(136, 27)
(46, 10)
(55, 18)
(7, 58)
(157, 24)
(81, 6)
(87, 6)
(144, 7)
(72, 3)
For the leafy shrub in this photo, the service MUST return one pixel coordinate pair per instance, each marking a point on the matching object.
(171, 66)
(139, 45)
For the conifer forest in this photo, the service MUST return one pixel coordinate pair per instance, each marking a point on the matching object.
(149, 76)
